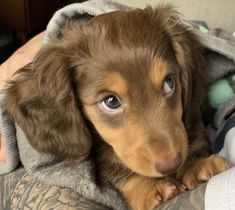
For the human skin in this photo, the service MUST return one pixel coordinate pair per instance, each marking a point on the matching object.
(17, 60)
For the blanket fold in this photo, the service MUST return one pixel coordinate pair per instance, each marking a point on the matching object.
(220, 57)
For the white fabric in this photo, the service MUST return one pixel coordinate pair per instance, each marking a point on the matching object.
(220, 192)
(228, 150)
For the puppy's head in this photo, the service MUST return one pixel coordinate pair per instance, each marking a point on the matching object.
(129, 74)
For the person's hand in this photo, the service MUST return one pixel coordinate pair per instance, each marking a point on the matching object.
(20, 58)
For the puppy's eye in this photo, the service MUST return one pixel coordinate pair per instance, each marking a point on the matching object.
(169, 85)
(110, 104)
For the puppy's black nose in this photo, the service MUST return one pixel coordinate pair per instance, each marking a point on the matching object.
(169, 166)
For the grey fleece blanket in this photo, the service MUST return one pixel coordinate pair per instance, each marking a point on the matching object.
(80, 175)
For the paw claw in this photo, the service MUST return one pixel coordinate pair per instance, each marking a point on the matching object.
(203, 177)
(173, 187)
(183, 187)
(158, 198)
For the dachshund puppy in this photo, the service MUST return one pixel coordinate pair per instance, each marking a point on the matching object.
(125, 88)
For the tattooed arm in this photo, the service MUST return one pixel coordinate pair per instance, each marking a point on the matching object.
(21, 191)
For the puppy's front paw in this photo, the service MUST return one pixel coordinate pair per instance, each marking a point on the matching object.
(203, 170)
(145, 193)
(164, 190)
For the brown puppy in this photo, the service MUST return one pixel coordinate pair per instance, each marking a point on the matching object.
(127, 88)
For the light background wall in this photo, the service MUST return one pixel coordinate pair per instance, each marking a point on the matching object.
(217, 13)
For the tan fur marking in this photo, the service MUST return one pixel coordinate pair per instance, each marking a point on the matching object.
(116, 83)
(158, 71)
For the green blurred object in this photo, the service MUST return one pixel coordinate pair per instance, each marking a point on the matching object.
(221, 91)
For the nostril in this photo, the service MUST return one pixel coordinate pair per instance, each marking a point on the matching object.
(168, 166)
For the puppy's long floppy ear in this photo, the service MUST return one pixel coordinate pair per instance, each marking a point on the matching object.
(192, 73)
(43, 101)
(189, 55)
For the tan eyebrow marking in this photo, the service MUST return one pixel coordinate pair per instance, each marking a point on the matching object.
(158, 71)
(115, 82)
